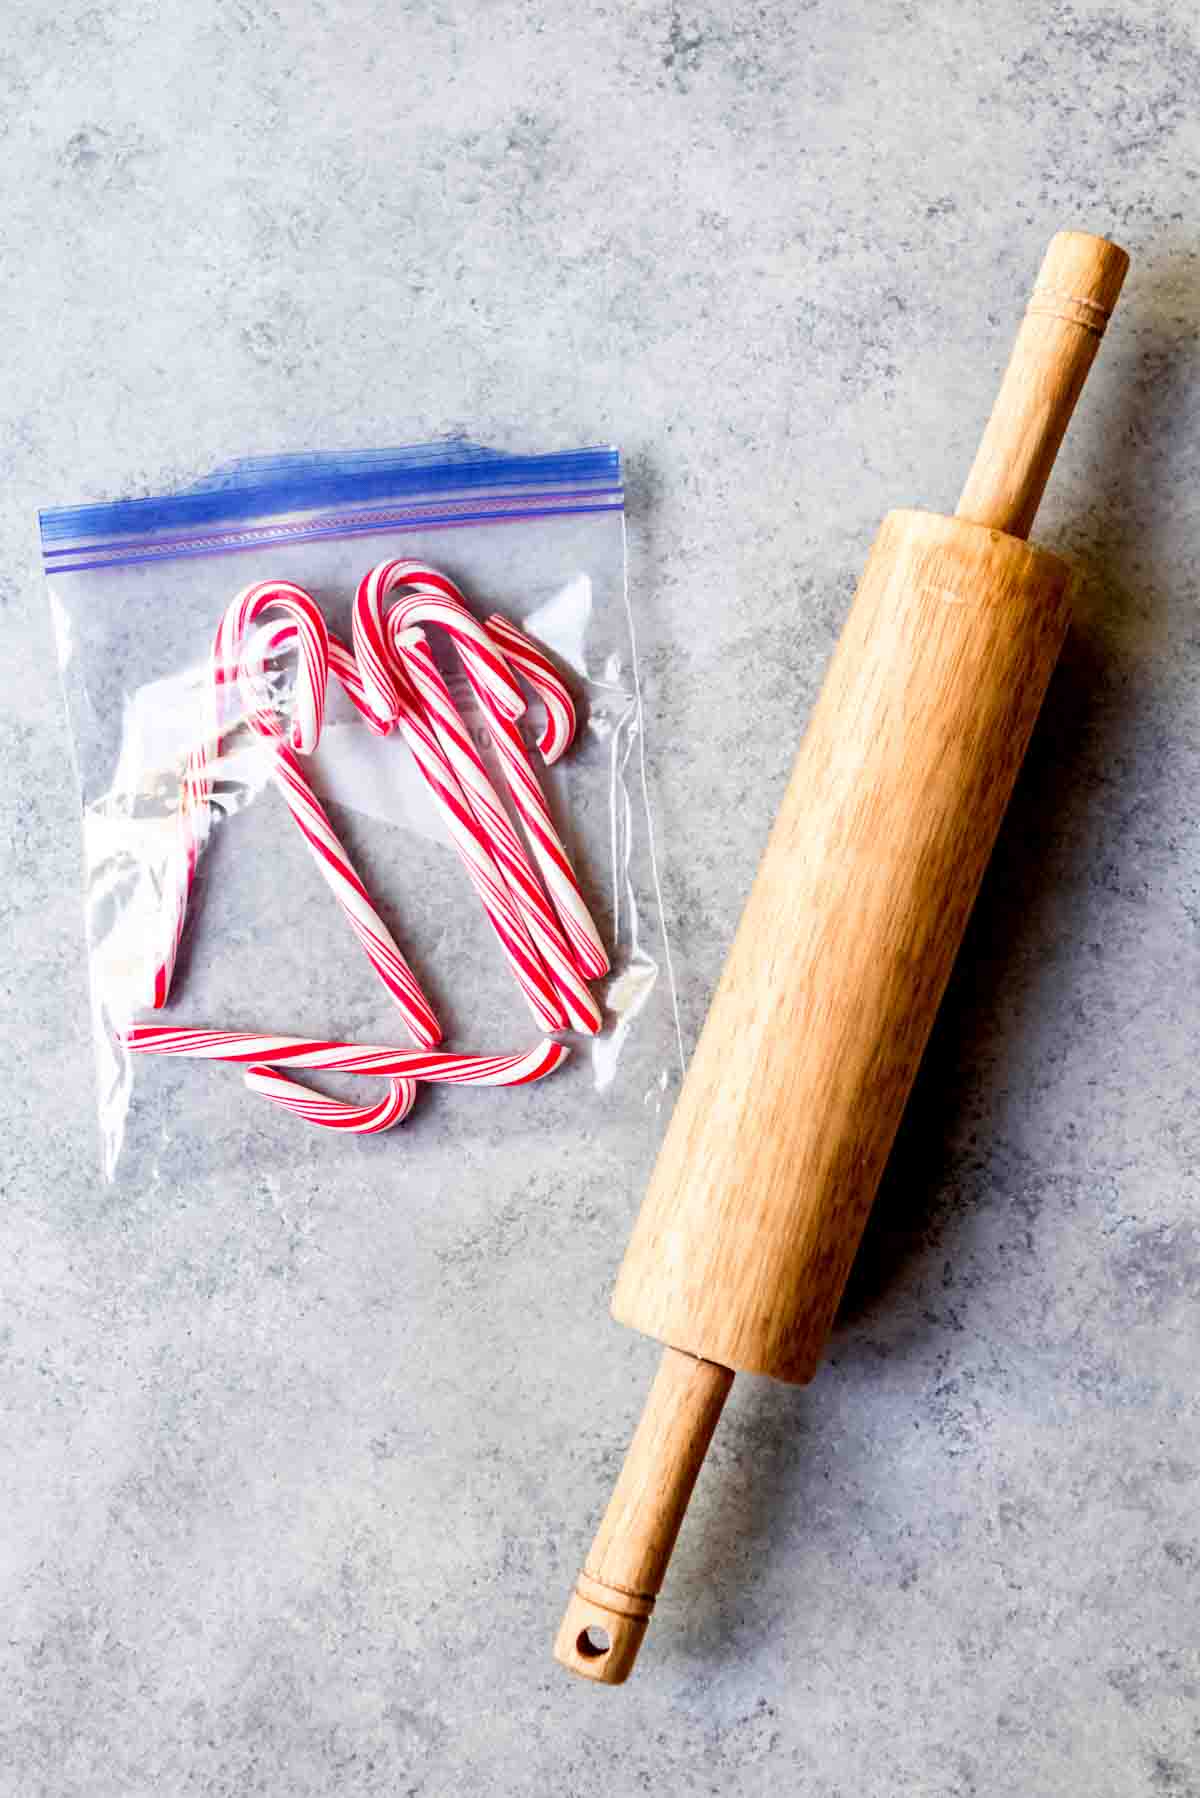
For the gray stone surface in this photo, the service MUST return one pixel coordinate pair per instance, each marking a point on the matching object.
(294, 1480)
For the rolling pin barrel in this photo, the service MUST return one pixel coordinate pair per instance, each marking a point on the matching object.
(794, 1095)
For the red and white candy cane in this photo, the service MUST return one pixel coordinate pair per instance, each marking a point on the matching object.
(524, 655)
(587, 948)
(418, 679)
(446, 606)
(194, 815)
(437, 1066)
(333, 1114)
(343, 664)
(192, 819)
(385, 694)
(312, 641)
(475, 850)
(508, 851)
(310, 815)
(290, 1095)
(304, 626)
(414, 609)
(475, 846)
(281, 636)
(279, 1089)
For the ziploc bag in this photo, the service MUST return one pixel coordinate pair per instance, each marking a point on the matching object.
(137, 588)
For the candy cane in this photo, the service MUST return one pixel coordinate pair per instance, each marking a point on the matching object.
(318, 1108)
(191, 834)
(194, 814)
(487, 850)
(509, 854)
(444, 605)
(326, 847)
(475, 851)
(587, 948)
(339, 875)
(382, 689)
(434, 1065)
(333, 1114)
(231, 663)
(469, 836)
(583, 939)
(280, 637)
(343, 664)
(558, 733)
(302, 610)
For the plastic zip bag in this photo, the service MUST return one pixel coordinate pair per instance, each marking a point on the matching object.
(137, 588)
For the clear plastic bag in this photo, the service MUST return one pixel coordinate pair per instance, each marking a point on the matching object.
(137, 589)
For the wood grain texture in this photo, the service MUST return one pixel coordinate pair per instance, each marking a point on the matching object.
(796, 1089)
(1076, 290)
(794, 1094)
(615, 1593)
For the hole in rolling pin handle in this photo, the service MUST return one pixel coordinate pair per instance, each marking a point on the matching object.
(592, 1642)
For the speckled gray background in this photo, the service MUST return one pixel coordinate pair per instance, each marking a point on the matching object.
(293, 1482)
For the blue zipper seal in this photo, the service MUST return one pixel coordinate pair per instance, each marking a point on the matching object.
(288, 499)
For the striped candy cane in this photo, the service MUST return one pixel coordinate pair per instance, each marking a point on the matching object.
(341, 664)
(192, 820)
(434, 1065)
(495, 858)
(304, 731)
(475, 850)
(559, 731)
(339, 875)
(585, 948)
(447, 607)
(333, 1114)
(325, 845)
(318, 1108)
(194, 814)
(564, 960)
(232, 664)
(509, 853)
(290, 1095)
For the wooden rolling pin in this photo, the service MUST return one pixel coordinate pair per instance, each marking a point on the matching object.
(792, 1101)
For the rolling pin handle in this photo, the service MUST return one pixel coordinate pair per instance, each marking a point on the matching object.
(1076, 290)
(607, 1614)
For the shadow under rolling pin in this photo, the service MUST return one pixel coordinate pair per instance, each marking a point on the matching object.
(794, 1095)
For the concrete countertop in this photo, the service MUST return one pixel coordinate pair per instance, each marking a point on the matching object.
(249, 1543)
